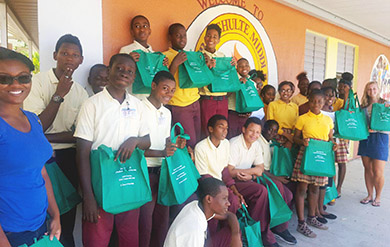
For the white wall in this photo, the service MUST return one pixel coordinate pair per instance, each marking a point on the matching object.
(82, 18)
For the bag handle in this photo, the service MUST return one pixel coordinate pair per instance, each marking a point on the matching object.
(244, 213)
(350, 102)
(108, 151)
(181, 134)
(224, 72)
(201, 58)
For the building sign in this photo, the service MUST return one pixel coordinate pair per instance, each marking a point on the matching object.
(381, 74)
(242, 36)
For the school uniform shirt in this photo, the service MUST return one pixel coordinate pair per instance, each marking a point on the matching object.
(338, 104)
(44, 85)
(189, 228)
(103, 120)
(243, 158)
(89, 90)
(266, 152)
(135, 46)
(181, 97)
(299, 99)
(285, 114)
(159, 124)
(210, 159)
(315, 126)
(205, 90)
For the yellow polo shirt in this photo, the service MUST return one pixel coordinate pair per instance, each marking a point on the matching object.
(182, 97)
(44, 85)
(315, 126)
(299, 99)
(205, 90)
(285, 114)
(338, 104)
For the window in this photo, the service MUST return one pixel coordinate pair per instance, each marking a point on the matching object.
(345, 58)
(315, 56)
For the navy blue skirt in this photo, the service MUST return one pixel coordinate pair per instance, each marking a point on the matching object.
(375, 147)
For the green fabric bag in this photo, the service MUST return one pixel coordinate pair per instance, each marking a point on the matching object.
(250, 229)
(147, 67)
(380, 117)
(119, 187)
(225, 76)
(194, 73)
(318, 159)
(247, 98)
(330, 194)
(178, 175)
(45, 242)
(64, 192)
(351, 122)
(278, 209)
(282, 163)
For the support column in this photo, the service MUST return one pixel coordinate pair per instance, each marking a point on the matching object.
(3, 25)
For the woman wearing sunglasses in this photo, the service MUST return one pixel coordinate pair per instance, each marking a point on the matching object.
(26, 194)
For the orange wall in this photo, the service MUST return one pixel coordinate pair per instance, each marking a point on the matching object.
(285, 26)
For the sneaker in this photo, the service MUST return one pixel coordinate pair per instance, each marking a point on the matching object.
(272, 245)
(285, 236)
(314, 222)
(305, 230)
(322, 220)
(329, 216)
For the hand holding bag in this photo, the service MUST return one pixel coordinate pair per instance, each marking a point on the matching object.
(194, 73)
(247, 98)
(225, 76)
(45, 242)
(250, 229)
(318, 159)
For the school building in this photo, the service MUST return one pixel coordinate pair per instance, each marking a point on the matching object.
(280, 37)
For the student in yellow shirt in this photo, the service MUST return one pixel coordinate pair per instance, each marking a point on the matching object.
(303, 85)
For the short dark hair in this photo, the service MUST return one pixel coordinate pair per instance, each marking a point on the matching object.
(250, 120)
(95, 67)
(209, 186)
(162, 76)
(242, 59)
(265, 89)
(316, 92)
(216, 28)
(116, 56)
(313, 83)
(135, 17)
(7, 54)
(258, 74)
(269, 123)
(173, 27)
(69, 38)
(292, 86)
(214, 119)
(325, 89)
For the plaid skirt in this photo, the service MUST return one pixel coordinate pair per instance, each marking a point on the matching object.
(341, 154)
(298, 176)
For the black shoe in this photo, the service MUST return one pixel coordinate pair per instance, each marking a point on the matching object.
(286, 237)
(322, 220)
(329, 216)
(272, 245)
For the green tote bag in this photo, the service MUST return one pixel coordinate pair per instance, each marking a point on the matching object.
(65, 194)
(282, 163)
(330, 194)
(351, 123)
(247, 98)
(318, 159)
(119, 187)
(250, 229)
(380, 117)
(225, 76)
(147, 67)
(178, 176)
(45, 242)
(278, 209)
(194, 73)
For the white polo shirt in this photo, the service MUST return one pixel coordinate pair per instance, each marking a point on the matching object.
(44, 85)
(159, 124)
(210, 159)
(103, 120)
(243, 158)
(266, 152)
(189, 229)
(135, 46)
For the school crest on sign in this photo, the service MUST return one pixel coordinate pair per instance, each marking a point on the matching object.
(242, 36)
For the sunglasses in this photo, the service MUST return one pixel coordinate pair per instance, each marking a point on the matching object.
(8, 80)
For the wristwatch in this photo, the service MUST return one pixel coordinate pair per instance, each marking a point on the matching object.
(57, 99)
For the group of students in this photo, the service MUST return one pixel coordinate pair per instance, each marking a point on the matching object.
(75, 125)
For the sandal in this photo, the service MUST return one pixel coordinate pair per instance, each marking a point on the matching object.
(312, 221)
(376, 204)
(366, 201)
(329, 216)
(305, 230)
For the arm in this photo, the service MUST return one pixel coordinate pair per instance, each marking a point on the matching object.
(63, 137)
(332, 140)
(3, 239)
(169, 150)
(55, 225)
(179, 59)
(234, 227)
(280, 179)
(90, 208)
(128, 146)
(298, 138)
(246, 174)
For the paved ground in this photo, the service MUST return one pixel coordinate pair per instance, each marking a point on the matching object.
(357, 225)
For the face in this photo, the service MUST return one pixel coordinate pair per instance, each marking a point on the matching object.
(372, 91)
(303, 86)
(164, 91)
(140, 30)
(252, 132)
(122, 73)
(178, 38)
(269, 96)
(259, 84)
(220, 130)
(220, 203)
(329, 97)
(16, 92)
(316, 103)
(243, 68)
(272, 132)
(211, 39)
(343, 89)
(286, 92)
(68, 57)
(98, 79)
(313, 87)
